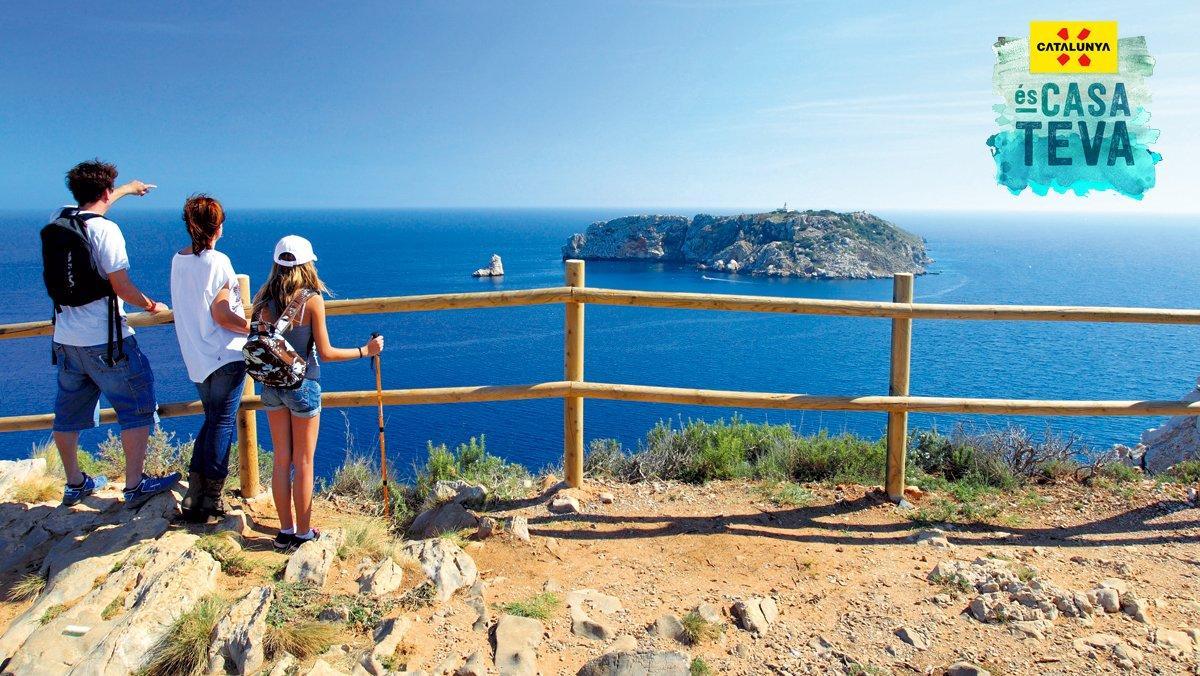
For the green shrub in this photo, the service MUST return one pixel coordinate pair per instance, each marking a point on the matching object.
(471, 462)
(698, 630)
(960, 458)
(163, 455)
(538, 607)
(1186, 472)
(357, 479)
(1119, 473)
(699, 667)
(700, 451)
(843, 458)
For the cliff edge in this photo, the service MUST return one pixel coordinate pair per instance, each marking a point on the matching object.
(782, 243)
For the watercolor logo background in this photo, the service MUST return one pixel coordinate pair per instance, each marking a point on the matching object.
(1075, 128)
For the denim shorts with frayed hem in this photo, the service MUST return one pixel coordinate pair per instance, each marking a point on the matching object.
(303, 402)
(84, 373)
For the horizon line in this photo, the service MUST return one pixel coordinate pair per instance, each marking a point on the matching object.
(1022, 210)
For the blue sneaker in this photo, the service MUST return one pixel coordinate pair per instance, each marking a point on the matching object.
(149, 487)
(73, 494)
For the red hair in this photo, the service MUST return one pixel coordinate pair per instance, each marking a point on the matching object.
(203, 216)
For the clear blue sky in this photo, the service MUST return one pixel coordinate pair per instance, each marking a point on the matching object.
(676, 102)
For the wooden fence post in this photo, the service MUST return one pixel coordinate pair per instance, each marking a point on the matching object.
(573, 370)
(247, 423)
(897, 427)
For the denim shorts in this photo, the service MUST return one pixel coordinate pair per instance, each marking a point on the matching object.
(303, 402)
(84, 374)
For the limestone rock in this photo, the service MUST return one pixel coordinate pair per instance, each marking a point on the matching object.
(519, 527)
(1107, 598)
(667, 626)
(755, 615)
(596, 629)
(389, 635)
(446, 564)
(154, 608)
(456, 490)
(475, 665)
(966, 669)
(638, 664)
(932, 537)
(1136, 607)
(445, 518)
(1174, 639)
(517, 639)
(709, 613)
(284, 665)
(384, 578)
(494, 269)
(487, 528)
(73, 563)
(310, 563)
(237, 646)
(1163, 447)
(564, 504)
(913, 637)
(322, 668)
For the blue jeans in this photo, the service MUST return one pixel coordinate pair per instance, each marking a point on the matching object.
(221, 393)
(84, 373)
(303, 402)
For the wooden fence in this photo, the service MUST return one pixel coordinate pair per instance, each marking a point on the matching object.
(574, 389)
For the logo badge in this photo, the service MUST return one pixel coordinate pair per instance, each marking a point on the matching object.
(1076, 111)
(1073, 47)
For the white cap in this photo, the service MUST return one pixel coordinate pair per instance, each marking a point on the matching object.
(300, 249)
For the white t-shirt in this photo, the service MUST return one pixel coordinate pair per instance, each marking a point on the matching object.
(88, 324)
(195, 282)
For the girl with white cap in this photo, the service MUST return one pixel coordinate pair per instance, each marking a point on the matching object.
(294, 414)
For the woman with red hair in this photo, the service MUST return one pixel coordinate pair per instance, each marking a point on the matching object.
(211, 326)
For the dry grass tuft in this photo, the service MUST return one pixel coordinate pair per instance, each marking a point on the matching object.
(184, 649)
(27, 587)
(302, 639)
(41, 489)
(366, 537)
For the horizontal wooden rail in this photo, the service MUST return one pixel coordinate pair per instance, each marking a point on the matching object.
(909, 404)
(677, 395)
(427, 395)
(353, 306)
(701, 301)
(881, 309)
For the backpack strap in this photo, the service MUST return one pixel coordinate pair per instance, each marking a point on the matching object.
(289, 313)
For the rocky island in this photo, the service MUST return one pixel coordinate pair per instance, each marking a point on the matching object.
(781, 243)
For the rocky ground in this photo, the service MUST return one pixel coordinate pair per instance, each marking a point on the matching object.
(630, 579)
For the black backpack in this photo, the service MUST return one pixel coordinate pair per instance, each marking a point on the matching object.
(71, 274)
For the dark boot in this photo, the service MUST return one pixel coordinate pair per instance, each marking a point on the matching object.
(193, 499)
(213, 501)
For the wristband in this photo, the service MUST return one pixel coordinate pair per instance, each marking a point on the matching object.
(360, 353)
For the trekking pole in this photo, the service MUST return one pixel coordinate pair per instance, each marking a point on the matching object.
(387, 503)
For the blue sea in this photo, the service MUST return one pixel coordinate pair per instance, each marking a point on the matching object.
(980, 258)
